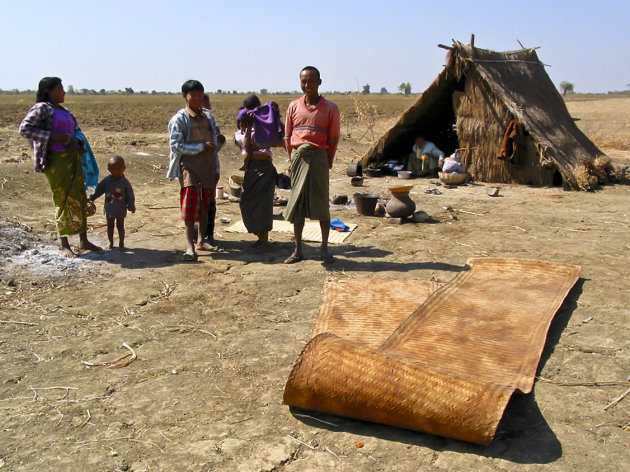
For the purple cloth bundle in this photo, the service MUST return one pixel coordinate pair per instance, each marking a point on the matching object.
(267, 125)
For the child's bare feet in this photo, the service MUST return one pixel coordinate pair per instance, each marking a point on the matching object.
(109, 246)
(122, 248)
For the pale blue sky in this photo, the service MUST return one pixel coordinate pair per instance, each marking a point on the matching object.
(249, 45)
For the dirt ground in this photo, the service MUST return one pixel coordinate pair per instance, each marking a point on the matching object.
(215, 340)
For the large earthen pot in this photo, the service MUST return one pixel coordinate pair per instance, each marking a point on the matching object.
(400, 205)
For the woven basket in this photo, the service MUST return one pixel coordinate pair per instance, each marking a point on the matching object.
(453, 179)
(235, 183)
(401, 188)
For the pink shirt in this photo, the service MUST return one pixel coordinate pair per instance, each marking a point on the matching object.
(239, 137)
(318, 126)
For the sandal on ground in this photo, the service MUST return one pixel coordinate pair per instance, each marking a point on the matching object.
(211, 248)
(188, 257)
(293, 259)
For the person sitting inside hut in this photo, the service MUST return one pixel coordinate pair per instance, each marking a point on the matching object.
(425, 158)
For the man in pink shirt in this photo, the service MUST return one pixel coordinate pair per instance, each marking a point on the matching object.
(312, 135)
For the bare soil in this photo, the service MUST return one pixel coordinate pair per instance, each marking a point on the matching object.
(215, 340)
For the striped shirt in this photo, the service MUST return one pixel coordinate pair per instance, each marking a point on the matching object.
(318, 126)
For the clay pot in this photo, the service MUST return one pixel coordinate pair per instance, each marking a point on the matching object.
(356, 181)
(400, 205)
(354, 170)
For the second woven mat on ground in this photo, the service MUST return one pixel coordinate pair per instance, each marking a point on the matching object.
(445, 361)
(311, 232)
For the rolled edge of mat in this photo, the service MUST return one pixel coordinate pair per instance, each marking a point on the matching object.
(339, 377)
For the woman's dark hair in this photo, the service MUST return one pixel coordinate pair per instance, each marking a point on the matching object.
(251, 101)
(45, 86)
(192, 86)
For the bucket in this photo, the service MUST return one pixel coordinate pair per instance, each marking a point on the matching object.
(219, 192)
(366, 203)
(235, 185)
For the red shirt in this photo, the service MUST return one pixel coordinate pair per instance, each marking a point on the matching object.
(318, 126)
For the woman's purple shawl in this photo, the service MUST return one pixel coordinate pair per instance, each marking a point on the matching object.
(267, 125)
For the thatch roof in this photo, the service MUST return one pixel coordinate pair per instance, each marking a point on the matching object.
(499, 86)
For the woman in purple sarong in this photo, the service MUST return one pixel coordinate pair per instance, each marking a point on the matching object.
(260, 174)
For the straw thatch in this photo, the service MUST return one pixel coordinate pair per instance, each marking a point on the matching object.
(469, 106)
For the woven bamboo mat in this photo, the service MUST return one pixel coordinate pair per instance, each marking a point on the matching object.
(348, 305)
(311, 232)
(448, 367)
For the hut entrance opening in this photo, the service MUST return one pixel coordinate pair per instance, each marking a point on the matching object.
(436, 123)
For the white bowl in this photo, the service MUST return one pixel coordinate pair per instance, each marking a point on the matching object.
(404, 174)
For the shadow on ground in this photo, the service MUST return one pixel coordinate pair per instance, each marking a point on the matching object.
(560, 321)
(347, 258)
(137, 258)
(523, 436)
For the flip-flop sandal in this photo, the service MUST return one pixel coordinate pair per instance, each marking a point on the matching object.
(210, 249)
(187, 257)
(294, 259)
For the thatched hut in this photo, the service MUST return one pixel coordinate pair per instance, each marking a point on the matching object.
(469, 107)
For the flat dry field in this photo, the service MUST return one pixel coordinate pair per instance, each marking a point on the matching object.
(215, 341)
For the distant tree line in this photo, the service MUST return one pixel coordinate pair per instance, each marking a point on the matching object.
(569, 87)
(84, 91)
(71, 90)
(404, 88)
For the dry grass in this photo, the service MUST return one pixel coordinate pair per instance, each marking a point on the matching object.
(150, 113)
(604, 119)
